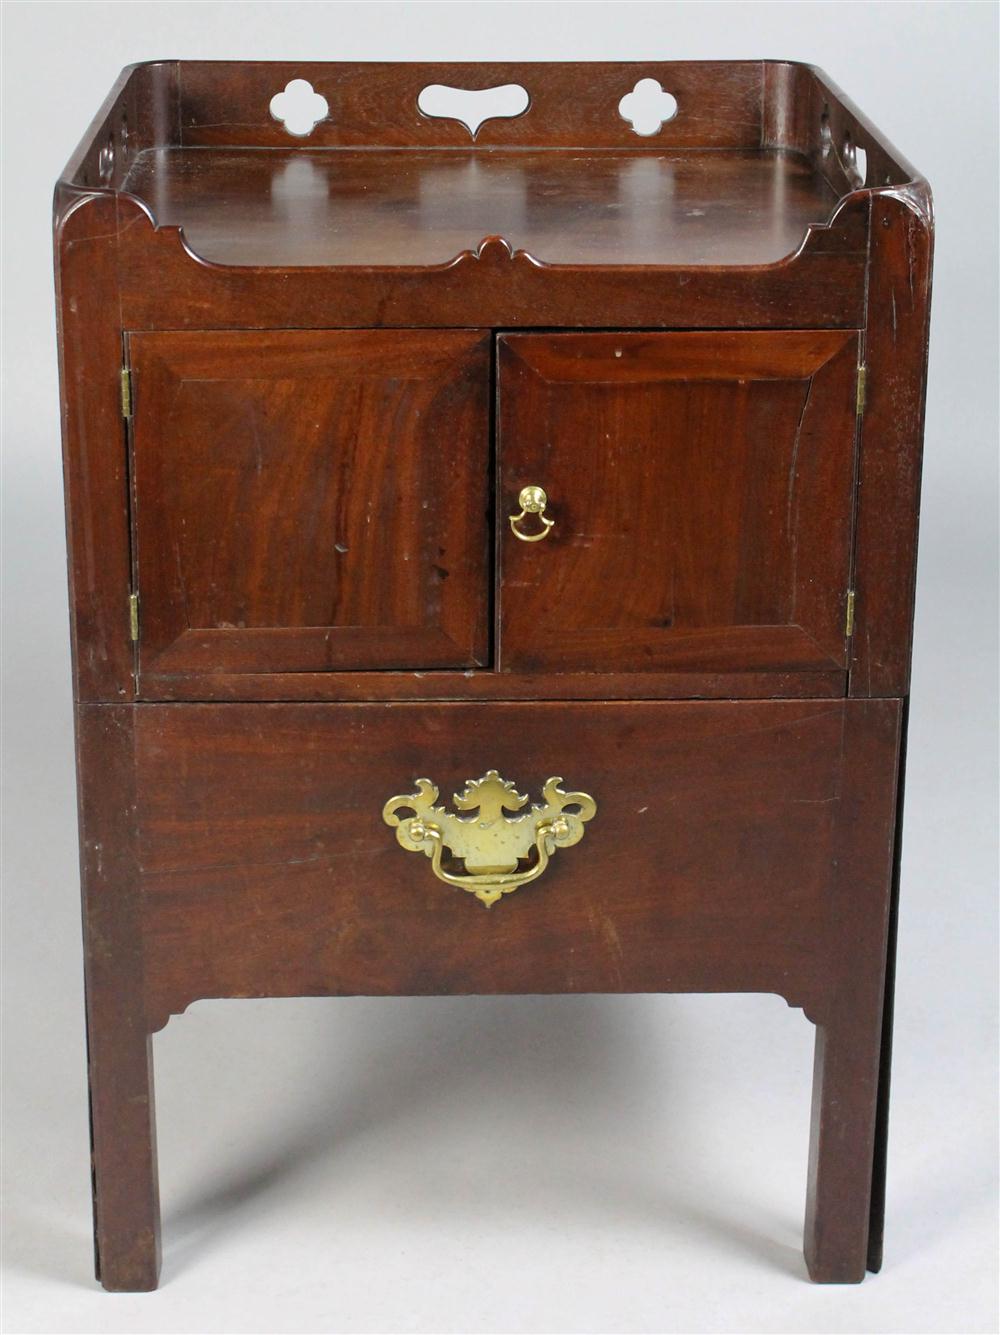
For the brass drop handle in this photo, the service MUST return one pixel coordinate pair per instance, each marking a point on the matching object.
(532, 501)
(499, 845)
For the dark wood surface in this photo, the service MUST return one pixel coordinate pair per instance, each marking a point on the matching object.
(892, 437)
(876, 1224)
(286, 208)
(768, 111)
(330, 363)
(700, 486)
(119, 1057)
(224, 103)
(707, 866)
(295, 506)
(491, 284)
(95, 469)
(720, 105)
(489, 685)
(849, 1031)
(735, 847)
(293, 509)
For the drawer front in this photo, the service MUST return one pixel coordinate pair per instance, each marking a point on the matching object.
(306, 501)
(700, 493)
(729, 847)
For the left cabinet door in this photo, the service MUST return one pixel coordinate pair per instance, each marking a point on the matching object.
(306, 501)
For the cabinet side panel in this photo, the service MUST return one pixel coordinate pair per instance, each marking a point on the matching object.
(94, 457)
(892, 443)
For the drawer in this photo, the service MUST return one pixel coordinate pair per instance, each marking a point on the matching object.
(726, 841)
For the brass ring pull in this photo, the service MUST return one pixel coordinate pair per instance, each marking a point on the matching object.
(491, 844)
(532, 501)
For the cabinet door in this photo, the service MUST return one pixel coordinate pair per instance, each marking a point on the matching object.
(310, 500)
(701, 487)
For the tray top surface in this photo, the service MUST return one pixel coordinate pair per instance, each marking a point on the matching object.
(288, 208)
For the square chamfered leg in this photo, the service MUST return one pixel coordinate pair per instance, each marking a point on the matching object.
(845, 1187)
(876, 1227)
(123, 1140)
(838, 1201)
(123, 1136)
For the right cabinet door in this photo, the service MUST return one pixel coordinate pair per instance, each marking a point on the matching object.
(700, 493)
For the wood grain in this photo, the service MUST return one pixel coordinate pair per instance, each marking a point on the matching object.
(707, 867)
(295, 508)
(119, 1056)
(880, 1156)
(94, 456)
(821, 286)
(849, 1034)
(701, 489)
(892, 438)
(690, 684)
(309, 323)
(288, 208)
(374, 103)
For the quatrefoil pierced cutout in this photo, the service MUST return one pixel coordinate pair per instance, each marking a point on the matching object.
(300, 108)
(647, 107)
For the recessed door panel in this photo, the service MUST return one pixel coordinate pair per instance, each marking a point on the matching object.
(305, 501)
(698, 500)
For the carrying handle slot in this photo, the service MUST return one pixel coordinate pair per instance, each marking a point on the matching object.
(473, 107)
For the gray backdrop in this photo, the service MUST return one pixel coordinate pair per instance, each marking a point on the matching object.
(600, 1164)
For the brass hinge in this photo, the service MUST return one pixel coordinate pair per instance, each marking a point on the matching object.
(862, 389)
(849, 619)
(133, 617)
(126, 392)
